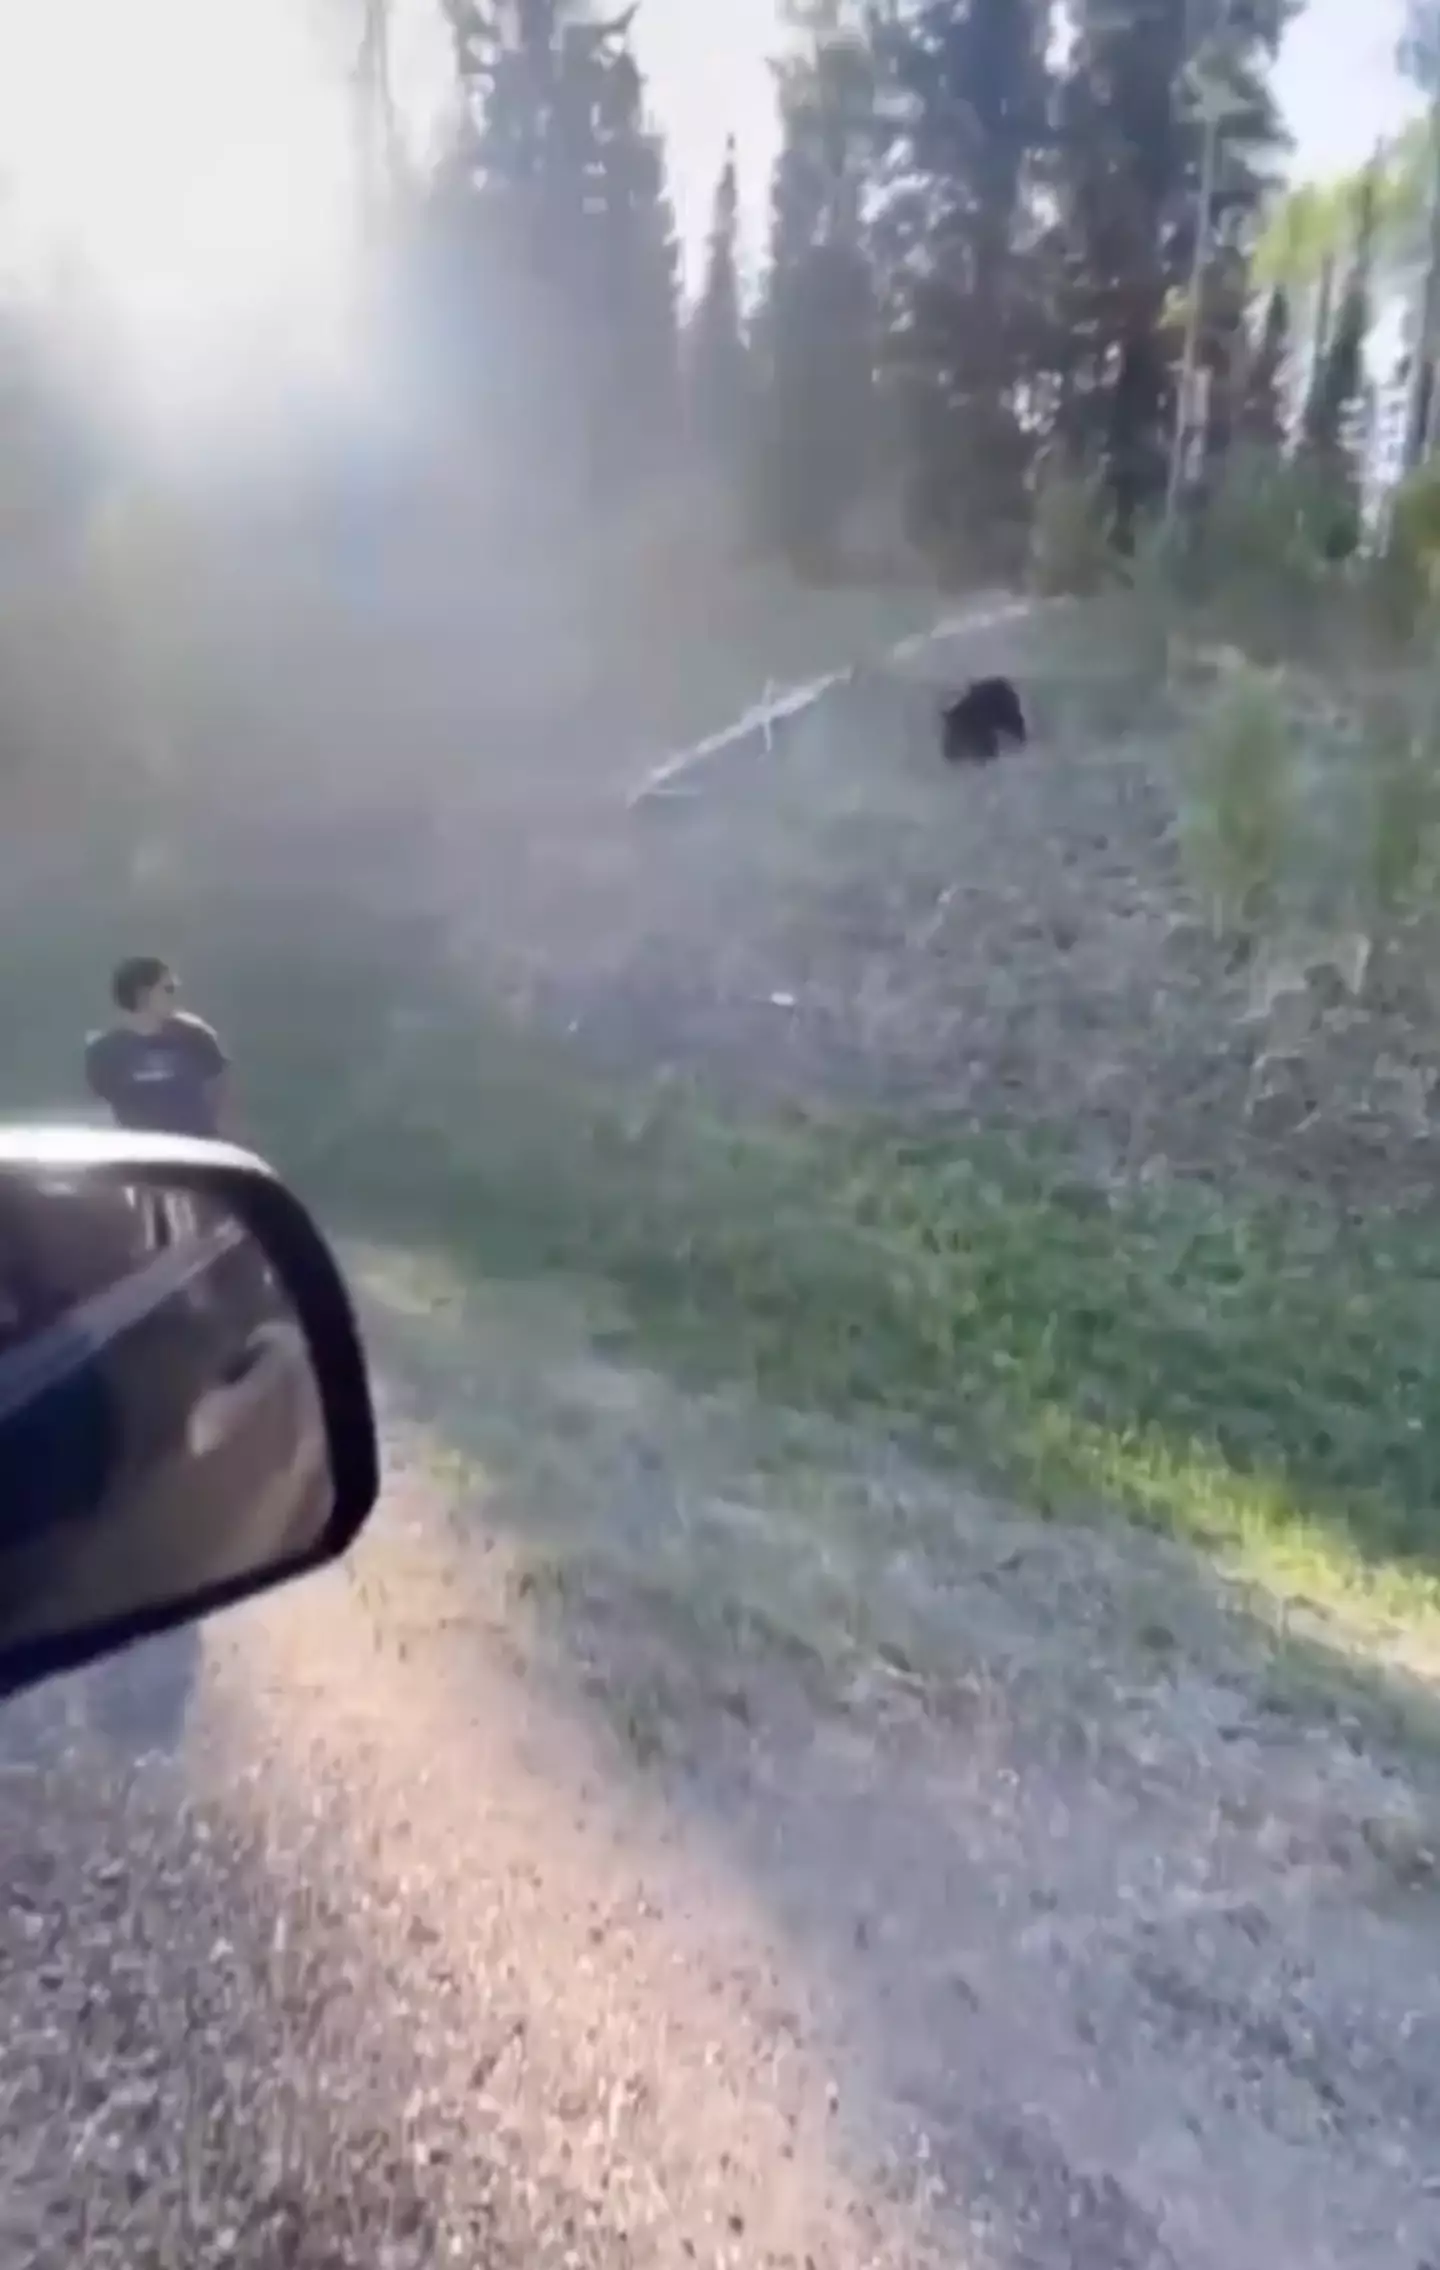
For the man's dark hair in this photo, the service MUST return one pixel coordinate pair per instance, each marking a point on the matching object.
(136, 976)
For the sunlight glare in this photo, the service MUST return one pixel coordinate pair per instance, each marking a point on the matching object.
(192, 161)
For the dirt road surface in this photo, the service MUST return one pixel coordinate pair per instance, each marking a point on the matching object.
(503, 1899)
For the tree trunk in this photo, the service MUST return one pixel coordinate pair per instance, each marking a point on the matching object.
(1418, 411)
(1189, 427)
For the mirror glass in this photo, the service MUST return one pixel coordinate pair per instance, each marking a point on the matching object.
(161, 1429)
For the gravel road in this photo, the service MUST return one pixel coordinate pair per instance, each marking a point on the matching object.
(358, 1937)
(324, 1948)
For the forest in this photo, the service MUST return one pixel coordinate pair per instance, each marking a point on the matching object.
(1010, 247)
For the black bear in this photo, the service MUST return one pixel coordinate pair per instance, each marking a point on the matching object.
(986, 718)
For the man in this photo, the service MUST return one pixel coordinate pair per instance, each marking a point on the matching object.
(158, 1069)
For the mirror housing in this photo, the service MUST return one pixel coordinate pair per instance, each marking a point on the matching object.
(185, 1413)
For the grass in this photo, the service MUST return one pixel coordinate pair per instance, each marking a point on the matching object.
(1252, 1379)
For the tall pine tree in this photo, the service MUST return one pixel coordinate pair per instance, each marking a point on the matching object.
(719, 361)
(1263, 421)
(1332, 431)
(559, 246)
(960, 241)
(1132, 149)
(1419, 58)
(638, 274)
(816, 334)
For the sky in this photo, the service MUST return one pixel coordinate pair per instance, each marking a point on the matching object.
(212, 208)
(705, 84)
(707, 65)
(246, 261)
(1337, 84)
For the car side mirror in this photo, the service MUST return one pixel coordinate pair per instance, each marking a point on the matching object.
(185, 1415)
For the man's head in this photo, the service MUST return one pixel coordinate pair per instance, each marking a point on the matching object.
(144, 988)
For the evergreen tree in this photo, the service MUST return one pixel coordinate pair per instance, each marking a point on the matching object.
(719, 362)
(1322, 311)
(962, 249)
(817, 324)
(1339, 374)
(638, 276)
(1263, 420)
(1132, 156)
(560, 256)
(1332, 434)
(1226, 353)
(1419, 58)
(1123, 158)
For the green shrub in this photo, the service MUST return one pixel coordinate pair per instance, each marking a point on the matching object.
(1071, 549)
(1401, 584)
(1153, 582)
(1240, 798)
(1320, 819)
(1415, 517)
(1260, 568)
(1399, 845)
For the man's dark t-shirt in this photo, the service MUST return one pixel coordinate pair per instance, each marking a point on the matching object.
(161, 1083)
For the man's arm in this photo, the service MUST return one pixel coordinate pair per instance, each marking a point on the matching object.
(214, 1068)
